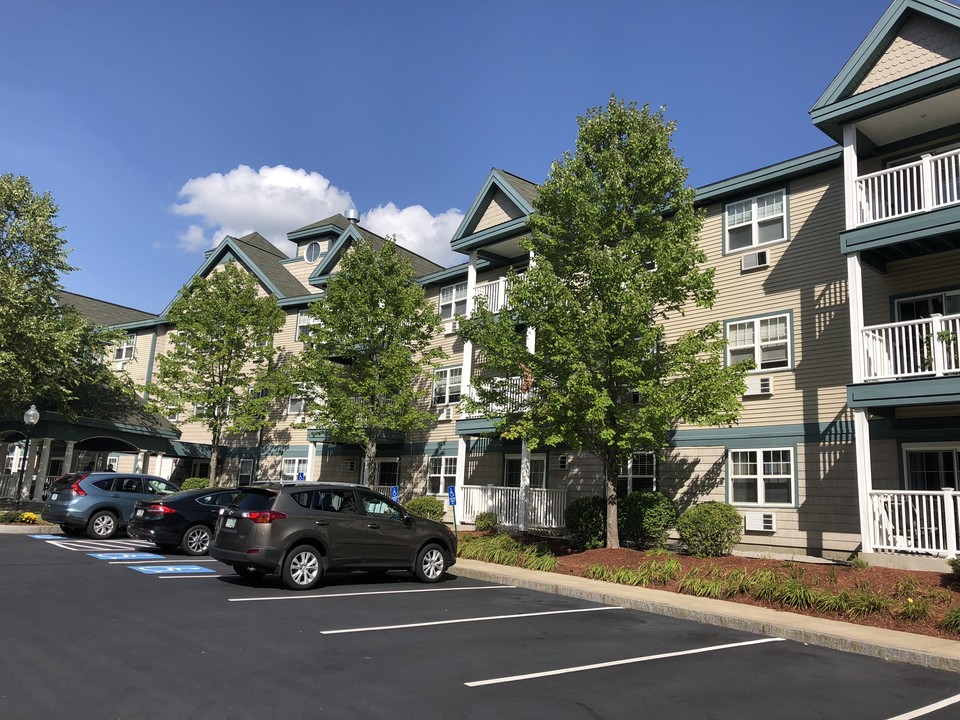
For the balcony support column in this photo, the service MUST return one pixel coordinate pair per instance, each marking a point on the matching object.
(861, 434)
(466, 371)
(850, 174)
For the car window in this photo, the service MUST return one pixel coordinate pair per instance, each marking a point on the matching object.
(341, 501)
(161, 487)
(129, 485)
(303, 499)
(106, 484)
(379, 506)
(65, 481)
(252, 500)
(224, 498)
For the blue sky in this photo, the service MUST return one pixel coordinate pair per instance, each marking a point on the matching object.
(160, 126)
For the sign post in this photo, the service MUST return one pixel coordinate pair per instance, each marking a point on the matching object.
(452, 497)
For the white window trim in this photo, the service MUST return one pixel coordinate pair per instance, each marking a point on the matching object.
(533, 456)
(757, 343)
(943, 295)
(126, 350)
(249, 473)
(447, 475)
(754, 223)
(926, 447)
(304, 320)
(458, 293)
(306, 252)
(291, 406)
(760, 476)
(445, 372)
(299, 465)
(630, 476)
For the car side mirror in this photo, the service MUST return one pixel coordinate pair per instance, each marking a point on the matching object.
(408, 520)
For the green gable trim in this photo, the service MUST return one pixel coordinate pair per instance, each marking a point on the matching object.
(766, 436)
(142, 325)
(329, 261)
(756, 181)
(502, 231)
(916, 227)
(905, 393)
(444, 276)
(494, 179)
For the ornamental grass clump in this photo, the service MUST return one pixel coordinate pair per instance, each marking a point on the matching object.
(951, 621)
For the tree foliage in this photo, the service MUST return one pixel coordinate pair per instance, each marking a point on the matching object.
(222, 369)
(614, 257)
(49, 354)
(362, 370)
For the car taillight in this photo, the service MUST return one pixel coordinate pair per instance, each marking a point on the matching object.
(264, 517)
(76, 489)
(160, 509)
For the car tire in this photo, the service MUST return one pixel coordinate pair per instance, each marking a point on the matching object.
(196, 540)
(431, 564)
(302, 568)
(248, 572)
(103, 525)
(70, 531)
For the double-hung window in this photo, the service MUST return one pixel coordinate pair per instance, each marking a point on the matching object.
(441, 474)
(292, 467)
(304, 321)
(296, 406)
(764, 340)
(761, 477)
(125, 349)
(756, 221)
(453, 301)
(637, 473)
(446, 386)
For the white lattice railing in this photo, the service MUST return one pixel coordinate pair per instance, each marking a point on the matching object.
(914, 521)
(931, 182)
(915, 348)
(541, 508)
(516, 399)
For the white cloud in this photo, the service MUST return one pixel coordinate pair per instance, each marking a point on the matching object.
(417, 230)
(272, 200)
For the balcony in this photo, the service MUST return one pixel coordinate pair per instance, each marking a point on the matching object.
(913, 349)
(494, 293)
(916, 522)
(516, 400)
(931, 183)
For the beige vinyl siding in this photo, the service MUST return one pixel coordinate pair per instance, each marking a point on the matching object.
(302, 271)
(499, 210)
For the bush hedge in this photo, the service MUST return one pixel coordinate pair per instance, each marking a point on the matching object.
(587, 522)
(486, 521)
(643, 517)
(194, 483)
(427, 507)
(710, 529)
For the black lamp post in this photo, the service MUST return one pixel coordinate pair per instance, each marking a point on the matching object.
(30, 418)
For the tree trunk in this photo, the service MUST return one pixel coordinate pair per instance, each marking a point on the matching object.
(610, 485)
(213, 465)
(369, 456)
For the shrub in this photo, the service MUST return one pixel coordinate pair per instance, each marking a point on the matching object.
(954, 564)
(951, 621)
(9, 516)
(710, 529)
(587, 522)
(486, 521)
(427, 507)
(858, 563)
(194, 483)
(29, 518)
(644, 518)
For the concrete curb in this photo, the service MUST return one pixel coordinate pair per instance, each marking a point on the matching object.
(22, 529)
(892, 645)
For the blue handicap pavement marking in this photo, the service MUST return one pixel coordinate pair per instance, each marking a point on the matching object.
(47, 537)
(170, 569)
(125, 556)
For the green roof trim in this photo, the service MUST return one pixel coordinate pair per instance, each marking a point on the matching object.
(515, 188)
(444, 275)
(905, 393)
(488, 236)
(776, 174)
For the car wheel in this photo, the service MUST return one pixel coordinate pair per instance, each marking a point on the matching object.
(248, 572)
(196, 540)
(431, 564)
(72, 531)
(302, 568)
(102, 526)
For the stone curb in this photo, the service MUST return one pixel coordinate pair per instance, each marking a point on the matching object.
(893, 645)
(22, 529)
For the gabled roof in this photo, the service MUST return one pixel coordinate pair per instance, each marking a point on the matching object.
(101, 312)
(519, 192)
(848, 97)
(333, 225)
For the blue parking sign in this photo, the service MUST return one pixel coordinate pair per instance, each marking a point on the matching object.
(395, 493)
(301, 476)
(452, 495)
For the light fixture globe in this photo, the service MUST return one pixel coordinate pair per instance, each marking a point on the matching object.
(31, 416)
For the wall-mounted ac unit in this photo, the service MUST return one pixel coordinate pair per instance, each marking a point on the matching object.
(754, 260)
(759, 386)
(451, 327)
(348, 466)
(561, 462)
(760, 522)
(446, 413)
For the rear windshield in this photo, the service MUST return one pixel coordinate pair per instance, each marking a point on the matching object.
(254, 500)
(65, 481)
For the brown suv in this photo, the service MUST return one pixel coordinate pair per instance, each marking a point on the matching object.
(302, 530)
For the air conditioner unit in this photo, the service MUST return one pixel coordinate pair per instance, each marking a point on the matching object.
(451, 327)
(446, 413)
(348, 466)
(760, 522)
(299, 420)
(754, 260)
(562, 462)
(758, 386)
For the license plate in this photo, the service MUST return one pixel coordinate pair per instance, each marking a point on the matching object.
(230, 522)
(139, 512)
(54, 496)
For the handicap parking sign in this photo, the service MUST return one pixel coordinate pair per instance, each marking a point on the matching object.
(395, 493)
(301, 476)
(452, 495)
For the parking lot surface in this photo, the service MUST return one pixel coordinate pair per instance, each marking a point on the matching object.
(114, 629)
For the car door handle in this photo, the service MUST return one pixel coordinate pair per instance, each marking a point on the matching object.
(373, 526)
(320, 522)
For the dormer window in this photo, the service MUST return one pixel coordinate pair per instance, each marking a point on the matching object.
(313, 252)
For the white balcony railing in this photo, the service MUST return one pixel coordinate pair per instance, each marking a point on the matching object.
(915, 521)
(931, 182)
(495, 294)
(911, 349)
(544, 509)
(516, 399)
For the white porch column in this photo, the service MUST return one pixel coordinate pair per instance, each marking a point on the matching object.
(68, 456)
(141, 462)
(43, 469)
(466, 371)
(311, 457)
(159, 464)
(861, 432)
(4, 449)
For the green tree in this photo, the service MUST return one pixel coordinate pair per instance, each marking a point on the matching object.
(363, 370)
(222, 369)
(49, 354)
(614, 257)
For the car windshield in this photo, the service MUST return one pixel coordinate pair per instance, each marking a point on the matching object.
(253, 500)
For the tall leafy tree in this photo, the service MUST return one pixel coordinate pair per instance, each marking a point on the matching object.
(614, 257)
(222, 370)
(49, 354)
(363, 369)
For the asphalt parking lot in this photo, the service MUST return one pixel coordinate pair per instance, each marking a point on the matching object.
(113, 629)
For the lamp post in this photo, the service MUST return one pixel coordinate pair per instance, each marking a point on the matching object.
(30, 418)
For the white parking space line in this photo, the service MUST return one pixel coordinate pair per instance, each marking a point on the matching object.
(465, 620)
(614, 663)
(164, 560)
(371, 592)
(920, 712)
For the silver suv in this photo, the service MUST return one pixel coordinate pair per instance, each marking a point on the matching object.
(302, 530)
